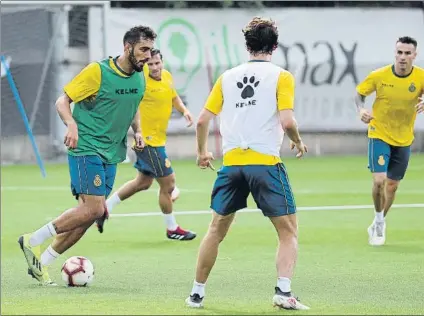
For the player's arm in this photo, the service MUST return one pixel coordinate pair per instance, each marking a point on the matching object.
(420, 106)
(285, 104)
(178, 104)
(135, 124)
(360, 102)
(84, 85)
(364, 89)
(212, 108)
(136, 127)
(63, 107)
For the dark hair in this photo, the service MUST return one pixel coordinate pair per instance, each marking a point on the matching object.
(156, 51)
(261, 36)
(136, 33)
(407, 40)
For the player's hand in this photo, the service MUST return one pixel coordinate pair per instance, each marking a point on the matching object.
(420, 106)
(71, 137)
(365, 116)
(301, 148)
(204, 160)
(139, 143)
(189, 118)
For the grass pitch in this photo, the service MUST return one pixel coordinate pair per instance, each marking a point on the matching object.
(139, 271)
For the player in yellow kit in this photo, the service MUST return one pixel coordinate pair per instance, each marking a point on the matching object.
(391, 123)
(152, 162)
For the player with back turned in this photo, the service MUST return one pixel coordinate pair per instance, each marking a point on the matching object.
(391, 123)
(255, 102)
(106, 95)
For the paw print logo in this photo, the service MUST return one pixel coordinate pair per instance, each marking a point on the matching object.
(248, 87)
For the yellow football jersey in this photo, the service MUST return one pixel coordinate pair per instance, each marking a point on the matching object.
(87, 82)
(156, 108)
(285, 101)
(394, 106)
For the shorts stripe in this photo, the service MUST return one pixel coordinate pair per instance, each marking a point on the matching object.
(86, 176)
(158, 159)
(284, 189)
(79, 174)
(371, 143)
(288, 183)
(151, 160)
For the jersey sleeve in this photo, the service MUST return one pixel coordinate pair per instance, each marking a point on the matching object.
(285, 91)
(367, 86)
(215, 100)
(173, 90)
(85, 84)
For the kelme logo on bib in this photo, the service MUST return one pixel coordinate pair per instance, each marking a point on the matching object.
(248, 87)
(412, 88)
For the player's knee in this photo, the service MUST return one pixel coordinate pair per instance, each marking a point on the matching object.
(96, 207)
(218, 230)
(167, 189)
(167, 185)
(379, 180)
(217, 234)
(392, 186)
(142, 183)
(286, 227)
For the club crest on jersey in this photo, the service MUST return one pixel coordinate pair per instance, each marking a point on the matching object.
(381, 160)
(412, 88)
(97, 181)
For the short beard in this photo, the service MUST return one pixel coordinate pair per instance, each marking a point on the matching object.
(133, 61)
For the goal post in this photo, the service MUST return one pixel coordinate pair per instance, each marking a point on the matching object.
(45, 44)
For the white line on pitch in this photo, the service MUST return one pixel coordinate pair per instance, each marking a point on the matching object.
(304, 208)
(154, 190)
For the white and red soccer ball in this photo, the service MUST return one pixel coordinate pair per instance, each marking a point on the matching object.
(77, 271)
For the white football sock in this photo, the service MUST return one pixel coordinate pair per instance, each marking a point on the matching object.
(379, 216)
(198, 288)
(284, 284)
(112, 202)
(170, 221)
(41, 235)
(48, 256)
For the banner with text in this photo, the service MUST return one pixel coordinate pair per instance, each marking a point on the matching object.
(329, 51)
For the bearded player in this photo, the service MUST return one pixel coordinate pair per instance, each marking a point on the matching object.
(152, 160)
(106, 95)
(391, 123)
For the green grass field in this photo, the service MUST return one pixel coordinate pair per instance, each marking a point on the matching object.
(139, 271)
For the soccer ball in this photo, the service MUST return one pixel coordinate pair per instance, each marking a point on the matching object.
(77, 271)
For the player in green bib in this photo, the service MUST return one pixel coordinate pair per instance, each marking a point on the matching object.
(106, 96)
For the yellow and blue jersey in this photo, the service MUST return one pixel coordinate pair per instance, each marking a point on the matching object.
(156, 108)
(394, 106)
